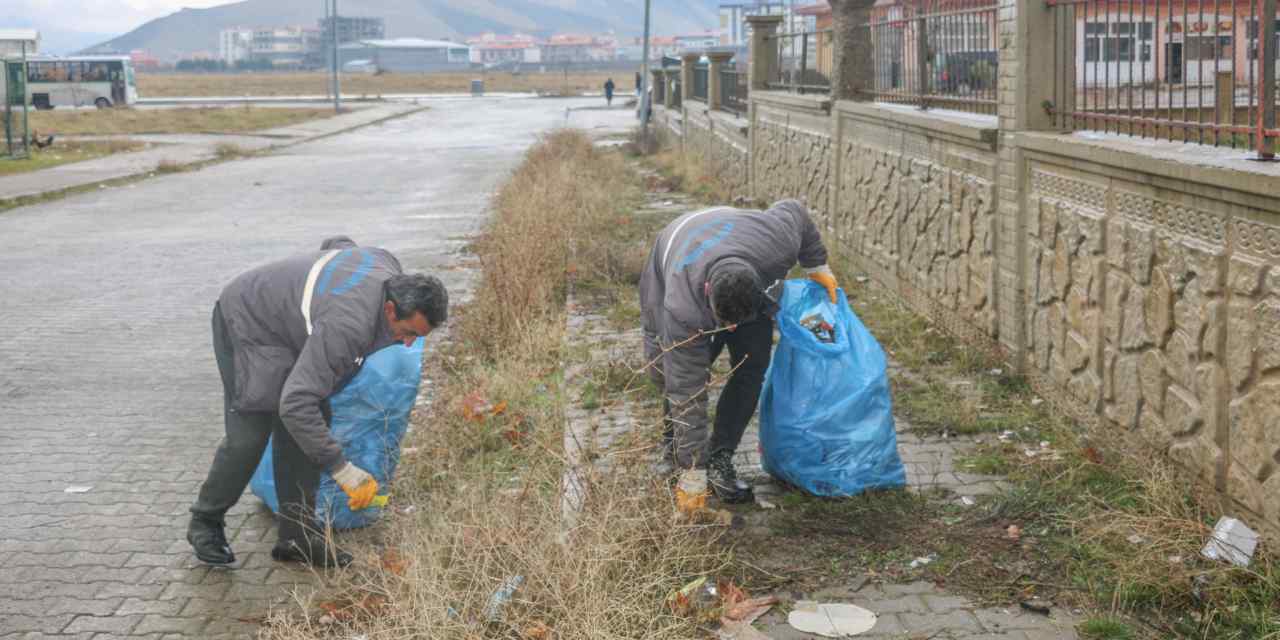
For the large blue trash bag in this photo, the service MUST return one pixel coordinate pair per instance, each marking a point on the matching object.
(826, 417)
(370, 417)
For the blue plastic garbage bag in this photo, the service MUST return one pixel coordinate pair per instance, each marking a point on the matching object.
(826, 417)
(370, 417)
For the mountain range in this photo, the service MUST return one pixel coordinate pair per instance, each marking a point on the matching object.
(190, 30)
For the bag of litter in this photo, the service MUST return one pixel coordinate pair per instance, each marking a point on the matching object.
(826, 417)
(370, 417)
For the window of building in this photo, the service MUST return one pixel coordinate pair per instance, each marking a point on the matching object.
(1209, 48)
(1118, 41)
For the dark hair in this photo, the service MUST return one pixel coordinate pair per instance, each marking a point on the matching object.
(416, 293)
(735, 296)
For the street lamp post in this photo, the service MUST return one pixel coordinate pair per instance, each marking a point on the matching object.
(644, 82)
(333, 44)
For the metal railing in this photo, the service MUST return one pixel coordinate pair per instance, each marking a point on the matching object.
(805, 61)
(1195, 71)
(701, 82)
(677, 93)
(733, 90)
(936, 53)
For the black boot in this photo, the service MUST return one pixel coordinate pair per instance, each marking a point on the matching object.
(311, 550)
(209, 539)
(724, 481)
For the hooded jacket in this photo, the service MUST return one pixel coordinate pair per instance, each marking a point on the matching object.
(674, 304)
(299, 330)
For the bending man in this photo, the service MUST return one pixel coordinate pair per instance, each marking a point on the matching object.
(287, 336)
(703, 289)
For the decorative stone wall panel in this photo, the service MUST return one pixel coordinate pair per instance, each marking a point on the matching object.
(791, 162)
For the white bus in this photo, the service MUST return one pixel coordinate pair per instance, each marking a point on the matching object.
(81, 81)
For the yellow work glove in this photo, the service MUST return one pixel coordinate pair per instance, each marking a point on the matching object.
(823, 276)
(359, 486)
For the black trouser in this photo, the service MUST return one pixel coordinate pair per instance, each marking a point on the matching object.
(239, 453)
(750, 348)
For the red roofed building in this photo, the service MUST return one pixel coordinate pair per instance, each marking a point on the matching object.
(493, 49)
(568, 49)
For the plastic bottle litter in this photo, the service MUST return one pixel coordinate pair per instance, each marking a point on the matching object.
(1232, 541)
(501, 598)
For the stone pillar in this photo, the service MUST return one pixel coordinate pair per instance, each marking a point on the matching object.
(687, 62)
(764, 50)
(854, 70)
(715, 92)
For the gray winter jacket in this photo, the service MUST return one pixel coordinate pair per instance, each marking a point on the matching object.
(300, 329)
(674, 303)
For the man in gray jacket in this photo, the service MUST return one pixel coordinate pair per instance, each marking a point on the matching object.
(704, 289)
(287, 336)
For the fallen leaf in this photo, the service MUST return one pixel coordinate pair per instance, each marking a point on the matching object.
(1092, 455)
(536, 631)
(394, 562)
(730, 593)
(1014, 532)
(748, 611)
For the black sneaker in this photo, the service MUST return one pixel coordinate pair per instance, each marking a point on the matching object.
(724, 481)
(209, 539)
(312, 551)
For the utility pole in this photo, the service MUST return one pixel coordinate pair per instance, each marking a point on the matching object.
(333, 44)
(644, 82)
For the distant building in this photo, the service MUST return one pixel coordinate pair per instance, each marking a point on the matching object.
(283, 47)
(406, 55)
(697, 42)
(144, 61)
(576, 49)
(235, 45)
(493, 50)
(350, 29)
(734, 30)
(12, 42)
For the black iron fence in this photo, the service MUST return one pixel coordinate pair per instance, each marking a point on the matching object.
(733, 90)
(1196, 71)
(805, 61)
(936, 53)
(701, 82)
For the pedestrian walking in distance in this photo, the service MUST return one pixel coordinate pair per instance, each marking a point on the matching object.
(287, 336)
(608, 91)
(706, 287)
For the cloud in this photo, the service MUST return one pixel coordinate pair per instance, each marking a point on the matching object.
(96, 16)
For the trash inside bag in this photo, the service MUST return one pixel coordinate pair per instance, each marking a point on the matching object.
(826, 417)
(370, 418)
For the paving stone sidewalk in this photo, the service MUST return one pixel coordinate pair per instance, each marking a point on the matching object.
(185, 149)
(915, 611)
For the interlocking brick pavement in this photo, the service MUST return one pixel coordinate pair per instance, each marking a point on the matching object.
(107, 378)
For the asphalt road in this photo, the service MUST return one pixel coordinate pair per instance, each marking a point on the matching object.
(108, 387)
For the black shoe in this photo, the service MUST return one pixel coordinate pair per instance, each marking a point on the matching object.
(312, 551)
(724, 481)
(209, 539)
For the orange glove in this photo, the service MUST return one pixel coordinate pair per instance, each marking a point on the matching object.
(823, 276)
(359, 486)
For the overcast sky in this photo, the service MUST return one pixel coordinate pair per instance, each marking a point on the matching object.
(98, 16)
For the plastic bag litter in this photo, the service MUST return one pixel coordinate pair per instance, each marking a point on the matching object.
(826, 417)
(370, 417)
(1233, 541)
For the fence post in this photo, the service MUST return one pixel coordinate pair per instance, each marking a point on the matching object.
(715, 87)
(687, 62)
(764, 50)
(922, 61)
(1224, 103)
(798, 79)
(854, 68)
(1267, 71)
